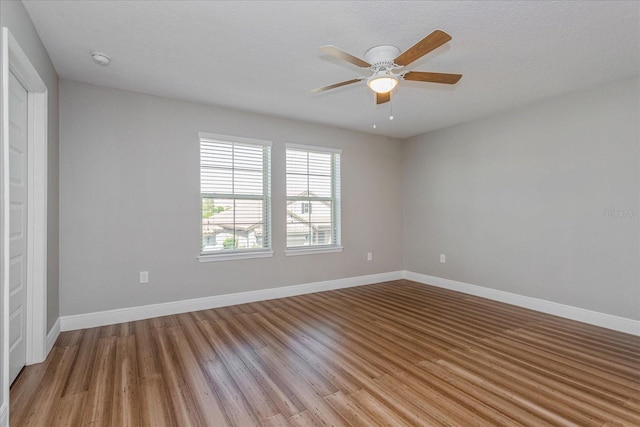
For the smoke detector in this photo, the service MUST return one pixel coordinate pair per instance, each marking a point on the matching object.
(101, 58)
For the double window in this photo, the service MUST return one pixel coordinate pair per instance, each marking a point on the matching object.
(235, 195)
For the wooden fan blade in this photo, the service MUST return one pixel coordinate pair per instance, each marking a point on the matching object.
(381, 98)
(335, 85)
(424, 46)
(423, 76)
(341, 54)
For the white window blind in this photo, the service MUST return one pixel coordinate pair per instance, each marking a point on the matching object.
(313, 197)
(235, 193)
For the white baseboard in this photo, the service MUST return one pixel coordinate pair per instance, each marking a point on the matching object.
(52, 336)
(129, 314)
(608, 321)
(110, 317)
(4, 415)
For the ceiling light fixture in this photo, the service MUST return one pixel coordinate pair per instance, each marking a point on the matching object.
(382, 82)
(101, 58)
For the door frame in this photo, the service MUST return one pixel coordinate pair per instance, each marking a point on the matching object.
(15, 60)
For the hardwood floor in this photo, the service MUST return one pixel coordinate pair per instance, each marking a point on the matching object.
(391, 354)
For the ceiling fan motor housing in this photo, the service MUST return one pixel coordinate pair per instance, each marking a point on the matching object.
(381, 57)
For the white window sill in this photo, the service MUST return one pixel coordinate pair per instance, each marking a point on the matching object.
(311, 251)
(234, 256)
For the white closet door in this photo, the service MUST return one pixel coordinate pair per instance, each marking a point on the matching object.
(17, 225)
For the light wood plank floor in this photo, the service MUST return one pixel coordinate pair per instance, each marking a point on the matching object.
(392, 354)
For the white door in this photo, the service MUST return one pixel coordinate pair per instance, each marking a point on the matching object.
(17, 225)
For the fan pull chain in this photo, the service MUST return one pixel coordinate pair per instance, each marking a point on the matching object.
(391, 113)
(374, 111)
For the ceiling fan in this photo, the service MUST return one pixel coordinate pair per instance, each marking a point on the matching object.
(383, 60)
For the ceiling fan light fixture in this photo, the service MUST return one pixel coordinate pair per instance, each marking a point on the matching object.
(382, 83)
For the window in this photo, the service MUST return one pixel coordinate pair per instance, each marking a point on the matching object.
(313, 199)
(235, 195)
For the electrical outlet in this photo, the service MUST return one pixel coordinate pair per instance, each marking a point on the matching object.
(144, 277)
(369, 256)
(443, 258)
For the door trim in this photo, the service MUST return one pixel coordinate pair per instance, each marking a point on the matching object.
(14, 59)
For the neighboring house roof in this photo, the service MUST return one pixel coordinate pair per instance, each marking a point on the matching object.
(225, 219)
(297, 223)
(320, 211)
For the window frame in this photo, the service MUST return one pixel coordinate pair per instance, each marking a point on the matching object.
(336, 196)
(231, 254)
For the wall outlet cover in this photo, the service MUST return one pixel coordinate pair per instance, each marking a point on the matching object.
(144, 277)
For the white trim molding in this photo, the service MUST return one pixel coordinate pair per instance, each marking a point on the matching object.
(230, 138)
(52, 336)
(313, 148)
(228, 256)
(129, 314)
(622, 324)
(4, 231)
(37, 226)
(307, 250)
(4, 415)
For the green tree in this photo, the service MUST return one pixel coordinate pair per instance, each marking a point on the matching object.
(230, 243)
(209, 209)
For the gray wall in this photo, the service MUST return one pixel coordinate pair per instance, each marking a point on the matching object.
(129, 201)
(14, 16)
(522, 202)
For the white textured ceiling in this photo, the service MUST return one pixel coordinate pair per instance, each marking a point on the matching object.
(262, 56)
